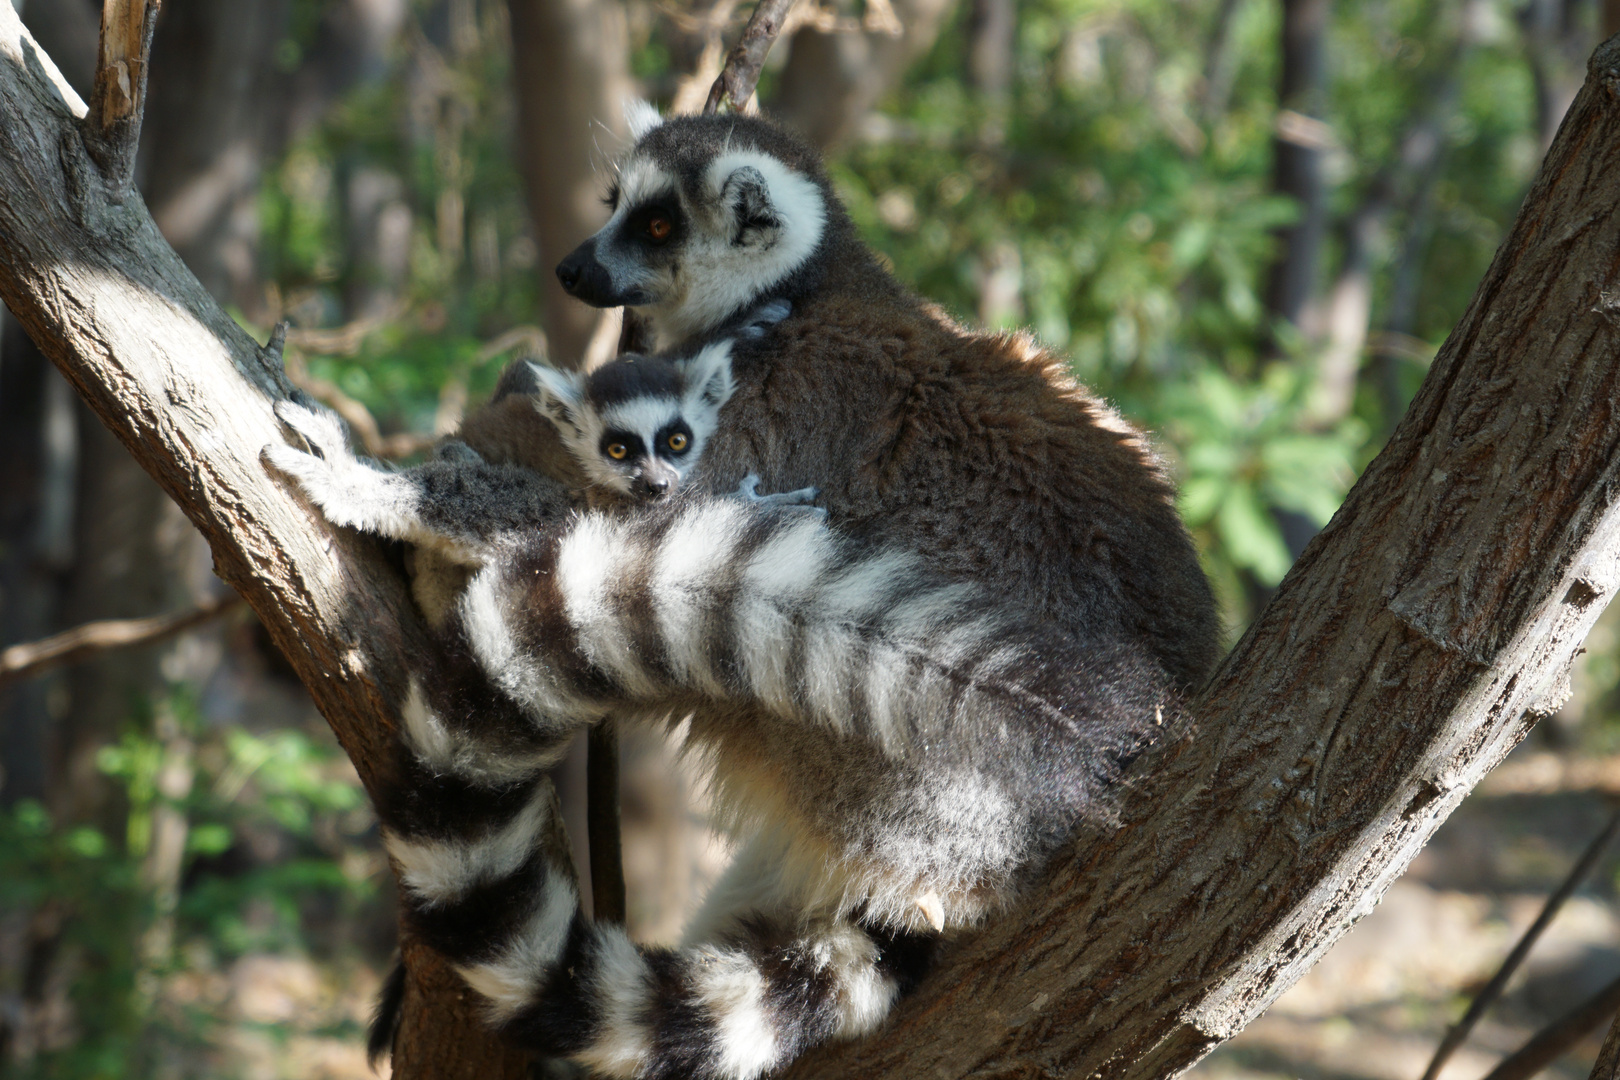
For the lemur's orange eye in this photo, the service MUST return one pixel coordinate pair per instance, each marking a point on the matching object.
(659, 228)
(618, 451)
(677, 442)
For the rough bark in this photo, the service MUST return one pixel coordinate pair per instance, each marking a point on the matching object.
(1395, 667)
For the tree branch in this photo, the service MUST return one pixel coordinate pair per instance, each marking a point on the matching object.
(30, 660)
(731, 91)
(189, 394)
(1395, 667)
(113, 129)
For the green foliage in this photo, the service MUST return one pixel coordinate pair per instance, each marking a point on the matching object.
(1139, 229)
(126, 931)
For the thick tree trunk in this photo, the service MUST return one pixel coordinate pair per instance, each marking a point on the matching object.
(570, 67)
(1395, 667)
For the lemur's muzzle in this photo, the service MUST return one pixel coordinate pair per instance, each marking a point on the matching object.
(585, 278)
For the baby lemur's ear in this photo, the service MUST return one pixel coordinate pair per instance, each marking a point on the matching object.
(707, 378)
(559, 397)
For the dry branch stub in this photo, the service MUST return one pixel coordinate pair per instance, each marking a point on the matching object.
(118, 98)
(738, 78)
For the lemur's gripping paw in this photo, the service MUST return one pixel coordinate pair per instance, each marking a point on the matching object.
(348, 491)
(800, 499)
(764, 317)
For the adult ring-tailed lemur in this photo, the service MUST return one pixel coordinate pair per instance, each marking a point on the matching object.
(908, 707)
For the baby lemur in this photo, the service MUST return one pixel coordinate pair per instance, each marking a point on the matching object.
(908, 707)
(637, 426)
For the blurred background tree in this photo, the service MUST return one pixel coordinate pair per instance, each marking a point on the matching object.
(1250, 224)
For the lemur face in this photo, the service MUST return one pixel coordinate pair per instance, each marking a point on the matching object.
(637, 425)
(706, 221)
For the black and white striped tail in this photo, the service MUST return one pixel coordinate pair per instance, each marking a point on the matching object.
(714, 601)
(481, 885)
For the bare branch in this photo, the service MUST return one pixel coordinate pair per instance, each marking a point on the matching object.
(35, 658)
(731, 91)
(1550, 1043)
(1493, 989)
(113, 129)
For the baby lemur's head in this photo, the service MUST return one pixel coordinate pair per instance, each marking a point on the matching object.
(637, 425)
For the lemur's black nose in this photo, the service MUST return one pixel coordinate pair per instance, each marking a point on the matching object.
(654, 485)
(569, 271)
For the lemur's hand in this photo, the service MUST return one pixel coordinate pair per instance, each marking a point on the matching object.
(799, 500)
(457, 504)
(764, 317)
(347, 490)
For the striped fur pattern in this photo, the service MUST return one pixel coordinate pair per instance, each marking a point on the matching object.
(895, 753)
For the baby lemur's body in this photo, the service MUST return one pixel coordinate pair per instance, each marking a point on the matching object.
(908, 707)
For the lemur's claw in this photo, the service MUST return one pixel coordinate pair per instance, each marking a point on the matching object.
(749, 488)
(321, 430)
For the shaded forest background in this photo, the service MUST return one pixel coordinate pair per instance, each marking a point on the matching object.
(1250, 223)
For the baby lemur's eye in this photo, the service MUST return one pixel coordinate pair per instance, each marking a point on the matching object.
(677, 442)
(659, 227)
(618, 451)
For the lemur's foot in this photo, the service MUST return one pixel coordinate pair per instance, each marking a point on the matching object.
(765, 316)
(802, 498)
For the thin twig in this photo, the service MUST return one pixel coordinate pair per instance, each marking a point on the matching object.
(1550, 1042)
(738, 78)
(1493, 989)
(34, 658)
(118, 98)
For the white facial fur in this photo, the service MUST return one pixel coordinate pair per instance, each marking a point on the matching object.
(706, 385)
(754, 222)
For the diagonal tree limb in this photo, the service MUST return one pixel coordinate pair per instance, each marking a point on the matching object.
(731, 91)
(1459, 1031)
(1394, 668)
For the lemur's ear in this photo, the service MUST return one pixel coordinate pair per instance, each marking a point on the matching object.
(749, 197)
(641, 116)
(559, 396)
(707, 378)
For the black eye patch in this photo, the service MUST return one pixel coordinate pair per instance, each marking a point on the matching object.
(654, 223)
(674, 440)
(621, 446)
